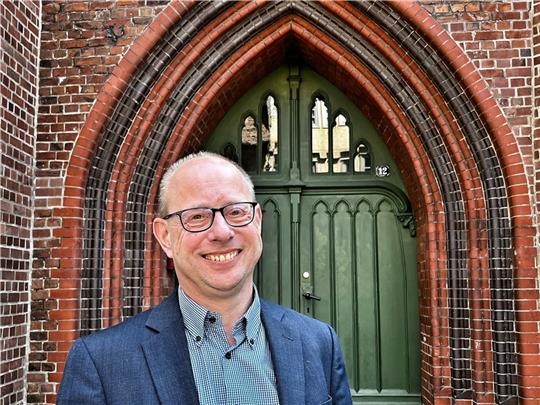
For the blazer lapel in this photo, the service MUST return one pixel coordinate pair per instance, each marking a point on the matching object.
(167, 355)
(287, 355)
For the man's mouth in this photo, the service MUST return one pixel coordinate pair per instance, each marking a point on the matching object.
(224, 257)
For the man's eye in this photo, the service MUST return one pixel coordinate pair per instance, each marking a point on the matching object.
(237, 212)
(196, 217)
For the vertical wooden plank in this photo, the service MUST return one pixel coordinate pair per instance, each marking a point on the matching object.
(367, 364)
(393, 317)
(268, 271)
(321, 264)
(343, 294)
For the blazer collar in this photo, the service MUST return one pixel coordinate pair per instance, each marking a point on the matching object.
(167, 355)
(287, 355)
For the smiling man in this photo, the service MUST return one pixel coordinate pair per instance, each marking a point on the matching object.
(214, 341)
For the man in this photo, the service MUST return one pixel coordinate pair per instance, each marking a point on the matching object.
(213, 341)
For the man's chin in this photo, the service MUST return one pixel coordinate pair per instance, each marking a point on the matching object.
(230, 287)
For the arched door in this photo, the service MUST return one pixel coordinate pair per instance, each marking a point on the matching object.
(337, 226)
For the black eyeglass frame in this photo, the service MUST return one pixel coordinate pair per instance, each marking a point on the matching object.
(214, 210)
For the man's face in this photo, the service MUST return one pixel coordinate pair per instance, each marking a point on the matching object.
(218, 262)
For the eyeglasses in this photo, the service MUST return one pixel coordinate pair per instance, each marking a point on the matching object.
(200, 219)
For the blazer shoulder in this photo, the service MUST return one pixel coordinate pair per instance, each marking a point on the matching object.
(280, 313)
(126, 331)
(137, 328)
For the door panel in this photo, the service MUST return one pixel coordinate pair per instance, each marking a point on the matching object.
(353, 246)
(273, 277)
(368, 303)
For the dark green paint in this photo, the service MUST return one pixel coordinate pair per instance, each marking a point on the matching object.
(344, 230)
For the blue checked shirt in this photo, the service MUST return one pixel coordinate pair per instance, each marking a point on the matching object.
(241, 374)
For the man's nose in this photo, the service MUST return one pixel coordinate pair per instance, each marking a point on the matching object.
(220, 229)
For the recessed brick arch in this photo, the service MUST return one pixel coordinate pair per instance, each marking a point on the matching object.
(425, 98)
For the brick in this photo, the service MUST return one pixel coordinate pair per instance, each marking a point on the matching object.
(19, 75)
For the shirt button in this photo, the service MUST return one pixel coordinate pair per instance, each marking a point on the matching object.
(251, 341)
(212, 319)
(228, 355)
(198, 338)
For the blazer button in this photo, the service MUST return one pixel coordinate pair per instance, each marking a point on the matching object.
(228, 355)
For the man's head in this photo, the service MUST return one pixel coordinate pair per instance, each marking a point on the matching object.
(217, 262)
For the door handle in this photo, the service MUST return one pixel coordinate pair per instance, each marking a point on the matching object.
(311, 296)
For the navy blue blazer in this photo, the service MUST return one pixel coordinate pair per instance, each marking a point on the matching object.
(145, 360)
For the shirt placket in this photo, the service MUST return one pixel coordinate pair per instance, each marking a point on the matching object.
(227, 355)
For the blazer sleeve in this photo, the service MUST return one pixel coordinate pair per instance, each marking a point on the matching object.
(81, 383)
(340, 391)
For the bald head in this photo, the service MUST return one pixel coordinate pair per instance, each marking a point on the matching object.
(187, 161)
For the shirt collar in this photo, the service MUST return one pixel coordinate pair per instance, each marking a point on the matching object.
(195, 315)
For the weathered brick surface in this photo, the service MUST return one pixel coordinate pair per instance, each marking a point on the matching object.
(19, 37)
(536, 113)
(82, 42)
(497, 37)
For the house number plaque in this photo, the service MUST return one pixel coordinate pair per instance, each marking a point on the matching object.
(382, 171)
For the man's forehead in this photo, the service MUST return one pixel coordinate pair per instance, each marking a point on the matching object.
(206, 166)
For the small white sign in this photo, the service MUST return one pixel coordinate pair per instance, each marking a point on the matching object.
(382, 171)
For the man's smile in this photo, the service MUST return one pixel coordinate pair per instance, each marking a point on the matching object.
(221, 257)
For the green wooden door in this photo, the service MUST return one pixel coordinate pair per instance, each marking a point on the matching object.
(337, 227)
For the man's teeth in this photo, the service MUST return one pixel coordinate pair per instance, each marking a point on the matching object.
(222, 258)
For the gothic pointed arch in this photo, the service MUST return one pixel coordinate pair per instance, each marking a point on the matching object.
(429, 104)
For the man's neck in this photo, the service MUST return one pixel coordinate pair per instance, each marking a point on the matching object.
(231, 315)
(231, 308)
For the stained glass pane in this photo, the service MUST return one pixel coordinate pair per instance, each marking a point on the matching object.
(362, 159)
(269, 136)
(319, 136)
(249, 144)
(340, 145)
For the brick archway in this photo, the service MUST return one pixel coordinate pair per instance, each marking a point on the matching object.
(461, 166)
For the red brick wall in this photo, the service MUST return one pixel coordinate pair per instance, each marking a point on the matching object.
(82, 42)
(19, 36)
(496, 35)
(536, 111)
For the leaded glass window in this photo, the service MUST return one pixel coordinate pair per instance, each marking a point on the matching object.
(319, 136)
(249, 144)
(270, 139)
(332, 149)
(362, 158)
(260, 139)
(340, 145)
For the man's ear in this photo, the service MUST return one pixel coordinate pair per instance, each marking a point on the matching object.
(163, 236)
(258, 217)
